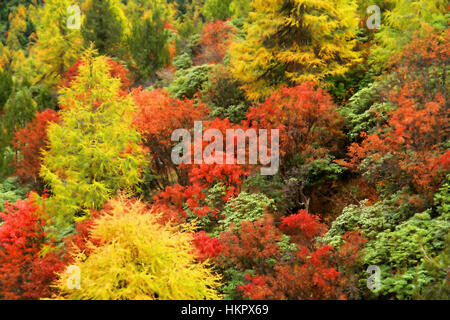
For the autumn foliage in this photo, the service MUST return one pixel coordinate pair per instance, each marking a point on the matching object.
(409, 147)
(30, 141)
(24, 273)
(102, 126)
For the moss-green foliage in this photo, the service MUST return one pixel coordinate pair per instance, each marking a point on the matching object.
(18, 111)
(183, 61)
(94, 151)
(224, 96)
(6, 86)
(322, 170)
(400, 244)
(246, 207)
(188, 82)
(272, 187)
(400, 253)
(6, 157)
(369, 219)
(217, 9)
(232, 278)
(139, 259)
(148, 44)
(366, 111)
(11, 191)
(103, 25)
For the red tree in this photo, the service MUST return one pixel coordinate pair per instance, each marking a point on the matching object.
(30, 141)
(408, 150)
(309, 270)
(216, 38)
(24, 274)
(157, 117)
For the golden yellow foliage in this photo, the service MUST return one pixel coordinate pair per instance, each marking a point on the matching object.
(138, 258)
(294, 41)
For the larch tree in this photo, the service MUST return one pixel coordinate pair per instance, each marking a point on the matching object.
(12, 55)
(57, 46)
(94, 151)
(137, 258)
(293, 41)
(401, 21)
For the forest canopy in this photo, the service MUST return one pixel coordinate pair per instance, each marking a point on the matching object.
(346, 100)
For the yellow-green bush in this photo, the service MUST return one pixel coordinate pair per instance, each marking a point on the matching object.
(132, 256)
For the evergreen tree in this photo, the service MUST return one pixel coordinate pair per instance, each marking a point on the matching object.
(217, 9)
(104, 25)
(148, 44)
(6, 84)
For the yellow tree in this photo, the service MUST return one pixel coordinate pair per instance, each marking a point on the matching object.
(57, 45)
(94, 151)
(131, 256)
(12, 55)
(293, 41)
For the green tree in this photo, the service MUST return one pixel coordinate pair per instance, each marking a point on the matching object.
(104, 25)
(217, 9)
(148, 44)
(57, 46)
(401, 21)
(6, 85)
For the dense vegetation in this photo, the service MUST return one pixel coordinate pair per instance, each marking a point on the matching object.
(87, 180)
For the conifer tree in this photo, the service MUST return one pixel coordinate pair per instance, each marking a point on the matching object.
(104, 25)
(57, 46)
(293, 41)
(94, 151)
(12, 55)
(148, 43)
(217, 9)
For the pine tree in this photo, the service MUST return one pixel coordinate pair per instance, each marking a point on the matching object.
(6, 85)
(217, 9)
(12, 55)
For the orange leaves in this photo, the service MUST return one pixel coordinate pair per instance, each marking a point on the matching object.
(408, 150)
(23, 273)
(216, 39)
(305, 117)
(159, 114)
(30, 141)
